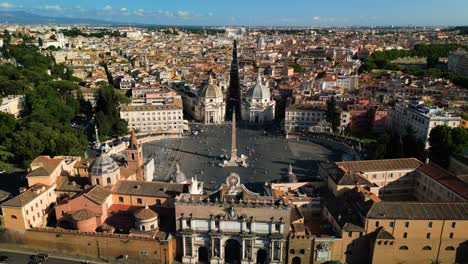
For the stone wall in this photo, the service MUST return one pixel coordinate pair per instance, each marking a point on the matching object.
(93, 245)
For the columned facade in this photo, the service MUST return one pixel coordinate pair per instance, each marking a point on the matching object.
(234, 224)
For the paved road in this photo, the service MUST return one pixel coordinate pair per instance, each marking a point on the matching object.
(17, 258)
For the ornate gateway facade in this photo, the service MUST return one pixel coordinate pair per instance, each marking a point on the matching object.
(232, 225)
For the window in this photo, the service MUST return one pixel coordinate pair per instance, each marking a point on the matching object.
(292, 251)
(428, 235)
(189, 223)
(379, 243)
(377, 224)
(139, 201)
(158, 202)
(350, 234)
(391, 224)
(142, 228)
(97, 181)
(152, 226)
(450, 248)
(302, 251)
(454, 224)
(14, 217)
(121, 199)
(277, 227)
(405, 235)
(403, 248)
(406, 224)
(108, 180)
(430, 225)
(427, 248)
(451, 235)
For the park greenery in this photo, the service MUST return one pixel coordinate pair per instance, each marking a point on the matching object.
(53, 102)
(432, 53)
(445, 142)
(100, 33)
(390, 145)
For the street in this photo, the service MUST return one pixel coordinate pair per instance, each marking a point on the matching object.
(19, 258)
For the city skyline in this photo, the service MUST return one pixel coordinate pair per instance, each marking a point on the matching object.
(254, 13)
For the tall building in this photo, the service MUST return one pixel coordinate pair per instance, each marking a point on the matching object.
(234, 93)
(420, 118)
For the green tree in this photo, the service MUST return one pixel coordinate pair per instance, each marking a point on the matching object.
(440, 141)
(459, 136)
(4, 157)
(332, 114)
(412, 146)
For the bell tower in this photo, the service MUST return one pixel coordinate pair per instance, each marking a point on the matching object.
(134, 155)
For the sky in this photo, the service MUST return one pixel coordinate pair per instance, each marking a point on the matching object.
(255, 12)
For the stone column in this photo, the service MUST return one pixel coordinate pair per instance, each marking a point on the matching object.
(272, 248)
(221, 248)
(244, 226)
(183, 246)
(281, 251)
(243, 249)
(193, 246)
(233, 137)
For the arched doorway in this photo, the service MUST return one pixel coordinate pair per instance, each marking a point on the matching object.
(232, 251)
(262, 256)
(202, 255)
(296, 260)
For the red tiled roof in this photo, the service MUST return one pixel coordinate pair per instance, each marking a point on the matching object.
(445, 178)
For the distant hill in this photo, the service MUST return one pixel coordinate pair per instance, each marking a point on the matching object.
(21, 17)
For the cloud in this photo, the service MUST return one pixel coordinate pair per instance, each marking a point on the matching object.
(6, 5)
(316, 18)
(139, 12)
(183, 13)
(210, 14)
(53, 8)
(123, 9)
(107, 8)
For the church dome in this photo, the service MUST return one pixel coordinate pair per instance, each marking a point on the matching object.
(145, 213)
(259, 91)
(211, 90)
(102, 165)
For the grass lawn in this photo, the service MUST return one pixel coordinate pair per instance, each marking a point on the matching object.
(367, 137)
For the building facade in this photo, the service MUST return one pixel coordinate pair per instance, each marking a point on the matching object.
(232, 225)
(257, 106)
(421, 119)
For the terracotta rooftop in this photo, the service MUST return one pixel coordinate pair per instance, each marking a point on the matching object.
(418, 211)
(145, 213)
(27, 196)
(445, 178)
(47, 166)
(97, 194)
(82, 214)
(380, 165)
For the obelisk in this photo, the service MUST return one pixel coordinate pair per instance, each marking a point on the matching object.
(233, 138)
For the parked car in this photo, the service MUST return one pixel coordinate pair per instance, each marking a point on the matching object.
(43, 256)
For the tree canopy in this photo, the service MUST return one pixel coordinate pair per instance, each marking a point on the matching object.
(50, 106)
(445, 142)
